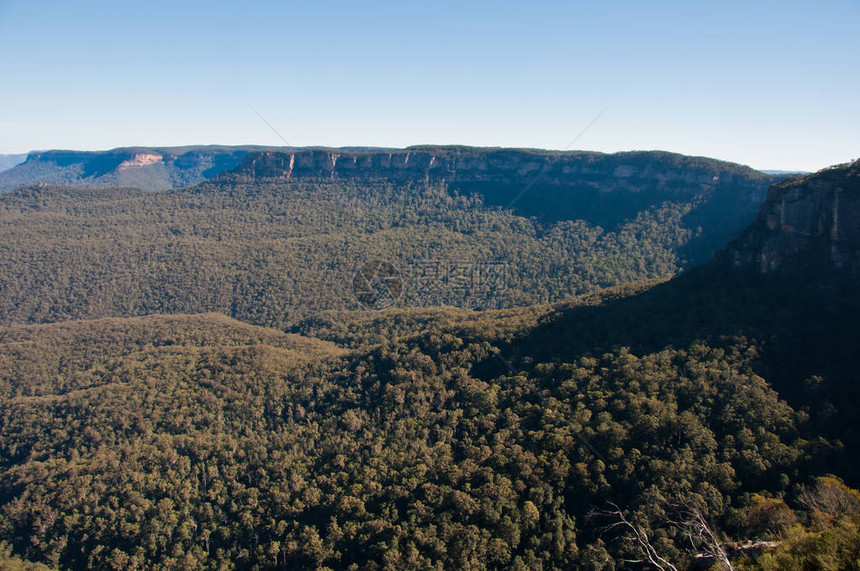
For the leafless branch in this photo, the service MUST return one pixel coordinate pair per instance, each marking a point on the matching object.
(635, 534)
(700, 533)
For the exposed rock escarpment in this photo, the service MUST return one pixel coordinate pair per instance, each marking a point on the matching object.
(142, 160)
(631, 171)
(817, 217)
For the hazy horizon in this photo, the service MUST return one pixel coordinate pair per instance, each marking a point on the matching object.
(382, 148)
(768, 84)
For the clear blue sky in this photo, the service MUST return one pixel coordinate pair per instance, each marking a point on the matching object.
(772, 84)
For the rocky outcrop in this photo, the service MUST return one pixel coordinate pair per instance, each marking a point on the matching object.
(141, 160)
(816, 217)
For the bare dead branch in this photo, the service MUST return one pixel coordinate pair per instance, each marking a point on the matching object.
(635, 534)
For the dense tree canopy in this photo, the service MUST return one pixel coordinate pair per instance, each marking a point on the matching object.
(271, 252)
(706, 418)
(197, 442)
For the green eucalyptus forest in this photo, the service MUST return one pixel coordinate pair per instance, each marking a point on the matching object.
(188, 382)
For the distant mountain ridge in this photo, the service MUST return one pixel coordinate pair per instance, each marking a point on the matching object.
(454, 162)
(9, 161)
(785, 172)
(149, 168)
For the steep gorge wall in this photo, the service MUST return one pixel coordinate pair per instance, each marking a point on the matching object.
(817, 216)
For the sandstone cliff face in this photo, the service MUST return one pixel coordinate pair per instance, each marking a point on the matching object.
(816, 217)
(633, 171)
(141, 160)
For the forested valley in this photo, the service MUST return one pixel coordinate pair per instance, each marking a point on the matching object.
(270, 251)
(606, 418)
